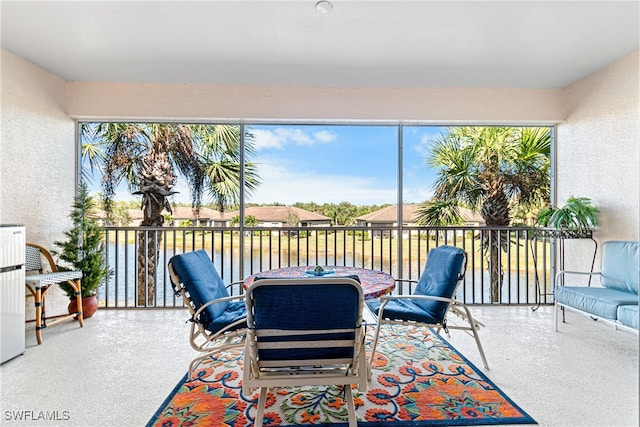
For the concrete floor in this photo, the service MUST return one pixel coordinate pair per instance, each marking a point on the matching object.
(119, 368)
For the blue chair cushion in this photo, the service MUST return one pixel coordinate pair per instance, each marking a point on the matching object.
(403, 309)
(601, 302)
(620, 265)
(306, 308)
(439, 278)
(628, 315)
(203, 283)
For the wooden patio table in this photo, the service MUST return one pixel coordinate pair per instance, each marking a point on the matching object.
(374, 283)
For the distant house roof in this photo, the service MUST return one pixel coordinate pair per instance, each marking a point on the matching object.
(136, 214)
(409, 212)
(390, 214)
(471, 216)
(205, 214)
(279, 214)
(179, 213)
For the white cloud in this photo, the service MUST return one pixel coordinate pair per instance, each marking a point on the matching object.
(278, 138)
(325, 136)
(267, 139)
(286, 186)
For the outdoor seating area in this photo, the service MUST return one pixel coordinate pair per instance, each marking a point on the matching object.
(615, 299)
(558, 378)
(506, 109)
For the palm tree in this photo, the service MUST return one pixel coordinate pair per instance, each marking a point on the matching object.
(149, 157)
(491, 170)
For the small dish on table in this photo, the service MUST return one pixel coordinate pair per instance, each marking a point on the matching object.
(318, 270)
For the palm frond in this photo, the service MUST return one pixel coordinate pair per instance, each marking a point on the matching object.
(439, 213)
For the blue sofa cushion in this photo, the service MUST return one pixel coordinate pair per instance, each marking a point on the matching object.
(203, 283)
(439, 278)
(620, 265)
(601, 302)
(628, 315)
(403, 309)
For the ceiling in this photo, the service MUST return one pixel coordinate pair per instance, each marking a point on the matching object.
(526, 44)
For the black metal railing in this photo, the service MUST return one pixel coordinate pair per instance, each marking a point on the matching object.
(522, 265)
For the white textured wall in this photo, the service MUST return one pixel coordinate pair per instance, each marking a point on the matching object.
(290, 104)
(37, 158)
(597, 139)
(598, 152)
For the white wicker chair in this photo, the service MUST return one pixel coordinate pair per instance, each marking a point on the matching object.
(38, 281)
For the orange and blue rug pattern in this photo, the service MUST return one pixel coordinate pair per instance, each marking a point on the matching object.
(418, 379)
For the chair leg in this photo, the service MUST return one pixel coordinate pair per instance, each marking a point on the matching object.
(262, 401)
(351, 407)
(477, 337)
(39, 314)
(373, 347)
(197, 361)
(474, 330)
(78, 289)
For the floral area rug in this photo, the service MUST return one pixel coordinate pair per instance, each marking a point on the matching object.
(418, 379)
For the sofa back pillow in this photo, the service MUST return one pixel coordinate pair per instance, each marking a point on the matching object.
(620, 265)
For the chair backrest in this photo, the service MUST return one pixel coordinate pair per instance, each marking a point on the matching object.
(442, 274)
(620, 265)
(198, 275)
(33, 258)
(305, 321)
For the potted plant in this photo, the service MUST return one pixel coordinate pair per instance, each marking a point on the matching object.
(577, 218)
(84, 250)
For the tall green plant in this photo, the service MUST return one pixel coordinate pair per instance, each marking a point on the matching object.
(84, 248)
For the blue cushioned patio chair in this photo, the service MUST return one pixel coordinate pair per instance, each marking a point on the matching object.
(304, 331)
(432, 299)
(218, 320)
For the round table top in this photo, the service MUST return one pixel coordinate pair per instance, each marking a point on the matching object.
(374, 283)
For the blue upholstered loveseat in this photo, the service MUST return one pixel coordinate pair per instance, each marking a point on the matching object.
(615, 298)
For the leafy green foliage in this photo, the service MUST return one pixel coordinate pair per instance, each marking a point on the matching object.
(439, 213)
(84, 248)
(578, 213)
(249, 221)
(491, 170)
(544, 216)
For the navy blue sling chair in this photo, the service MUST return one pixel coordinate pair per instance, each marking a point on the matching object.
(431, 300)
(304, 331)
(218, 320)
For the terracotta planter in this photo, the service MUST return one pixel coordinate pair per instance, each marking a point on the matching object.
(89, 306)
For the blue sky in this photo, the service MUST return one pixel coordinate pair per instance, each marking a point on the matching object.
(334, 163)
(331, 164)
